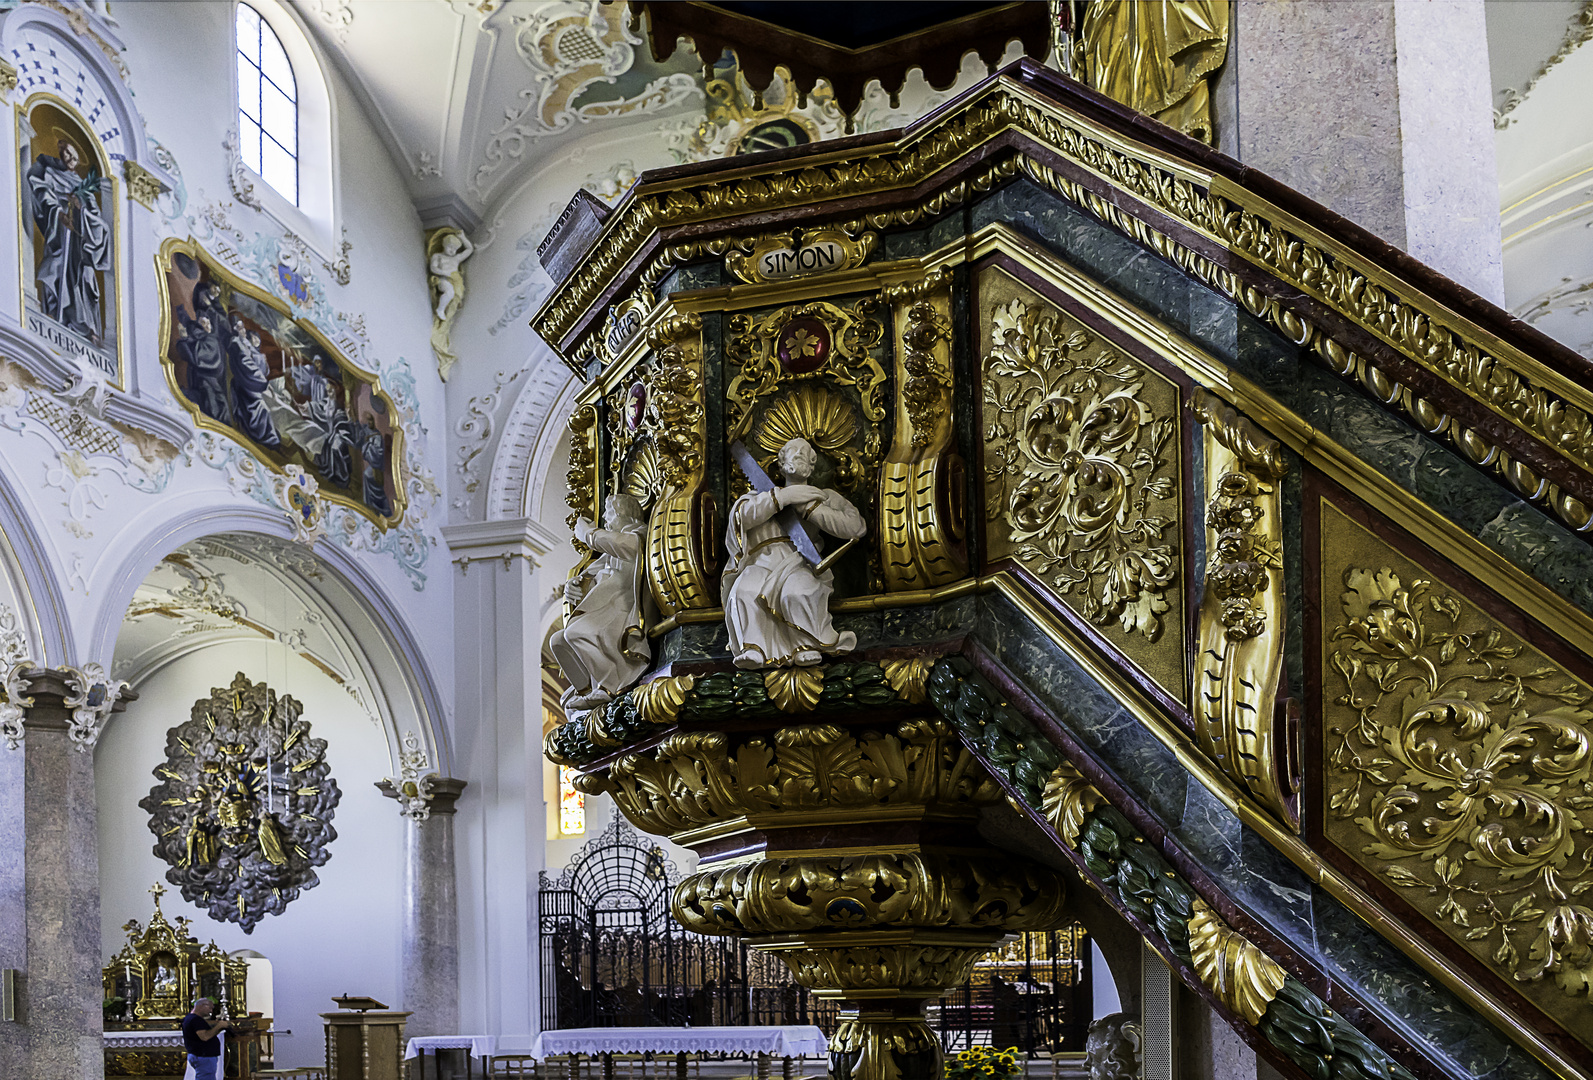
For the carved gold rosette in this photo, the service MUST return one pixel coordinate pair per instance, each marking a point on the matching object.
(895, 907)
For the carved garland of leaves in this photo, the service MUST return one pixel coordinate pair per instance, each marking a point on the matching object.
(582, 474)
(1078, 467)
(1468, 763)
(928, 377)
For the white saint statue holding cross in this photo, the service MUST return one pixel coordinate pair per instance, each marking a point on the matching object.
(776, 589)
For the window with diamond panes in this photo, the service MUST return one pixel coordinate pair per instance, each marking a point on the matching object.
(268, 105)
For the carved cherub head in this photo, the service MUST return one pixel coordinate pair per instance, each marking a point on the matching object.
(797, 459)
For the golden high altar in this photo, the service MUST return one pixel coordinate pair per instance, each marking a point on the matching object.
(150, 985)
(1147, 587)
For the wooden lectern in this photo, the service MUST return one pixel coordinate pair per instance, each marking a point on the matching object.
(365, 1041)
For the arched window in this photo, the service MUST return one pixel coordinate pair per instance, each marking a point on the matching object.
(268, 105)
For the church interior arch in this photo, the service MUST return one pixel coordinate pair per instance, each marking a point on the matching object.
(244, 603)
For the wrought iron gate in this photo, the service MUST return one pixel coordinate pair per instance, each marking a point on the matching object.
(612, 956)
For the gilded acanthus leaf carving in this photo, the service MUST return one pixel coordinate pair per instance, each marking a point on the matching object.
(1461, 771)
(789, 895)
(697, 778)
(582, 474)
(1078, 466)
(1242, 976)
(1239, 663)
(1068, 800)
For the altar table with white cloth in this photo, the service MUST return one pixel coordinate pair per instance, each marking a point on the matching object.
(763, 1042)
(478, 1046)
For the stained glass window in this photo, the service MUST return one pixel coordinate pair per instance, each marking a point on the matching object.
(268, 105)
(572, 804)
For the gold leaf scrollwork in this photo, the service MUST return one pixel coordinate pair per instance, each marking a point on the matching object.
(674, 400)
(1067, 800)
(1244, 978)
(855, 333)
(922, 483)
(582, 474)
(908, 970)
(1240, 663)
(1082, 488)
(1461, 771)
(889, 889)
(678, 571)
(925, 328)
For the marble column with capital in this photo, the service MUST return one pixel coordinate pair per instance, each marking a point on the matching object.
(429, 962)
(49, 870)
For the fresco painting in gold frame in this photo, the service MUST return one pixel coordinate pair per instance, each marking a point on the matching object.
(69, 218)
(242, 365)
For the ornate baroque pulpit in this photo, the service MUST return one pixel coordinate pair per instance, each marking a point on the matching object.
(1240, 555)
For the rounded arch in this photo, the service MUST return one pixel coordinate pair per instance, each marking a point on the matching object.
(92, 51)
(620, 868)
(315, 216)
(41, 609)
(531, 435)
(405, 693)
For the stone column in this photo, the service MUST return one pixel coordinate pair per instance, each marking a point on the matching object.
(429, 960)
(50, 863)
(1382, 111)
(501, 600)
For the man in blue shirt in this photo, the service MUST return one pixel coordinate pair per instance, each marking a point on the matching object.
(200, 1038)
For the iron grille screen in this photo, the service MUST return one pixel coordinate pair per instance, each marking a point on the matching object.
(611, 956)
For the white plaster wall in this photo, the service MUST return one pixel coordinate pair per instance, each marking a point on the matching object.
(340, 937)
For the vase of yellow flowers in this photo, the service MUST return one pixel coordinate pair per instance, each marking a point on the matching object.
(985, 1063)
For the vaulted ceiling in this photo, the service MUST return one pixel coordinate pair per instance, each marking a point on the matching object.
(470, 96)
(466, 95)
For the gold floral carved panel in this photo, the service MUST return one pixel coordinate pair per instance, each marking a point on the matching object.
(1456, 761)
(1081, 473)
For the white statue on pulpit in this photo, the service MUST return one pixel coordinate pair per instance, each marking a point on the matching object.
(776, 589)
(603, 648)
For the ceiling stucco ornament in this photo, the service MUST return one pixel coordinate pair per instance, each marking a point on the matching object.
(243, 810)
(1577, 33)
(337, 15)
(1571, 299)
(570, 46)
(237, 176)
